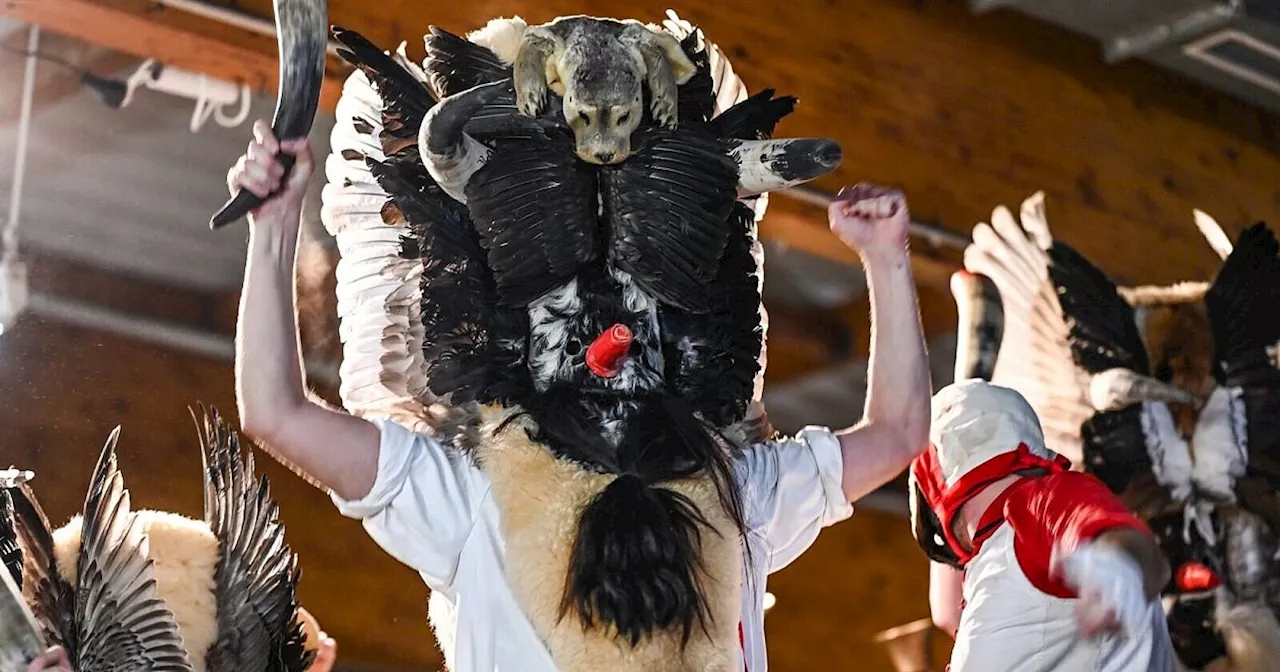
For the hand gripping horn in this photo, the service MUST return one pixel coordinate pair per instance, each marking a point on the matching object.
(302, 27)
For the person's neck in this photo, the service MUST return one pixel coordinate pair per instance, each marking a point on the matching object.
(970, 514)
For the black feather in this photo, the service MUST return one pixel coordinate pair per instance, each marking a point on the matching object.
(256, 578)
(10, 551)
(405, 99)
(455, 64)
(668, 208)
(1103, 332)
(1242, 305)
(696, 98)
(754, 118)
(1115, 448)
(534, 206)
(52, 600)
(712, 358)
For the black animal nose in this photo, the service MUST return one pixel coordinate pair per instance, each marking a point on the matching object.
(605, 157)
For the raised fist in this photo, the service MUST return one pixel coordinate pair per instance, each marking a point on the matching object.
(870, 219)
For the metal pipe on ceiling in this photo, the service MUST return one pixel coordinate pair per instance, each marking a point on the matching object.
(9, 231)
(178, 337)
(230, 17)
(936, 235)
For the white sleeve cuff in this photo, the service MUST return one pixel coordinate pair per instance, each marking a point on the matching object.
(825, 447)
(395, 454)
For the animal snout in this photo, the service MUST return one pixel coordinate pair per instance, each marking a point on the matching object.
(605, 157)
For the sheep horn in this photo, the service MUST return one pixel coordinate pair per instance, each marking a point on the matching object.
(981, 325)
(303, 27)
(768, 165)
(449, 153)
(1118, 388)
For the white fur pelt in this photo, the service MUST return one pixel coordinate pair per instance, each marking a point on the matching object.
(502, 37)
(185, 554)
(1252, 635)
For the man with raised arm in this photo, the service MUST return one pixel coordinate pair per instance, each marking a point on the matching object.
(425, 503)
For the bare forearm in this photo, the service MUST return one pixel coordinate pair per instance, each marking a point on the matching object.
(946, 586)
(336, 449)
(269, 384)
(898, 386)
(895, 420)
(330, 446)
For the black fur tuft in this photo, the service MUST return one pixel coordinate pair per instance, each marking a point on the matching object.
(635, 561)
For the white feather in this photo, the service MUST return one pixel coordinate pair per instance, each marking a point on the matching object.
(1170, 456)
(1220, 444)
(1034, 358)
(378, 295)
(501, 36)
(1213, 233)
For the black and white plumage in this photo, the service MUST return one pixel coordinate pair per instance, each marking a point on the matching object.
(257, 574)
(110, 610)
(112, 619)
(1169, 400)
(120, 621)
(528, 254)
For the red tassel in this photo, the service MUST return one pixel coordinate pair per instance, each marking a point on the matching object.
(1194, 577)
(609, 350)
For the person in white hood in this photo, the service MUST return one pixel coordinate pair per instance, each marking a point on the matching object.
(1036, 568)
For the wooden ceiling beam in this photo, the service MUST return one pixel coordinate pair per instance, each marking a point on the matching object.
(200, 45)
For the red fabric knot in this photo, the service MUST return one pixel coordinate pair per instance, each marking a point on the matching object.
(609, 350)
(1193, 577)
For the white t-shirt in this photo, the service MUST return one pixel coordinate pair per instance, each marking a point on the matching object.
(429, 508)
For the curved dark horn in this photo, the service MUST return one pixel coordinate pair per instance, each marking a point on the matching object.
(768, 165)
(981, 325)
(303, 30)
(449, 153)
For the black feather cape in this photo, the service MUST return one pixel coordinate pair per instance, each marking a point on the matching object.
(659, 243)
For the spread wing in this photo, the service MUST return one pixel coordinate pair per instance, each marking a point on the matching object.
(1102, 328)
(1242, 305)
(51, 599)
(379, 300)
(534, 205)
(455, 64)
(1036, 357)
(668, 207)
(121, 624)
(20, 639)
(256, 578)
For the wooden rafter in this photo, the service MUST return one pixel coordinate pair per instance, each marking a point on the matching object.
(127, 28)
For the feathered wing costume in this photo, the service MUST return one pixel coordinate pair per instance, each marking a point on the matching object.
(145, 591)
(589, 335)
(1168, 394)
